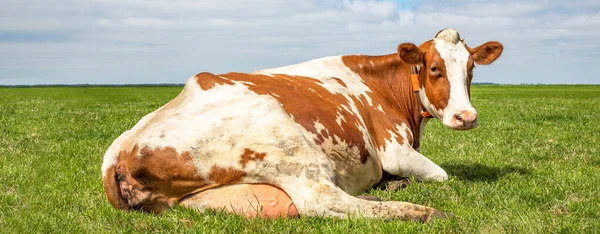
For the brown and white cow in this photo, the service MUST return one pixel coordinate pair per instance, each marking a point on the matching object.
(300, 139)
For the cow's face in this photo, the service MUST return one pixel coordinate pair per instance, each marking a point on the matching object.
(446, 77)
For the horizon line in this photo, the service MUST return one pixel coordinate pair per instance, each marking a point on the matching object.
(183, 84)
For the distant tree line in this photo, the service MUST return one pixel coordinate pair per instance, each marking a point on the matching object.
(484, 83)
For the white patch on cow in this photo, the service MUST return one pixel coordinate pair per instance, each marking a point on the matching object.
(125, 141)
(455, 57)
(312, 90)
(403, 160)
(324, 69)
(394, 151)
(112, 154)
(351, 88)
(346, 108)
(380, 108)
(274, 95)
(351, 174)
(438, 113)
(399, 131)
(219, 124)
(339, 118)
(449, 35)
(242, 82)
(320, 127)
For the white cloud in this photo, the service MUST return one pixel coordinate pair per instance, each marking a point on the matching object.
(155, 41)
(146, 22)
(371, 9)
(582, 21)
(484, 8)
(221, 22)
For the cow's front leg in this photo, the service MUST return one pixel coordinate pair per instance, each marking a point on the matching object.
(405, 161)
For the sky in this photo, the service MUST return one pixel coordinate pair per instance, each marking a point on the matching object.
(168, 41)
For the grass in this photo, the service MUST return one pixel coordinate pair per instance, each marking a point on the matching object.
(532, 166)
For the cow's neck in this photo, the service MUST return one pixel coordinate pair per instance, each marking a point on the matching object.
(389, 77)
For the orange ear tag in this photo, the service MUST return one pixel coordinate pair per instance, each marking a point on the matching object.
(414, 78)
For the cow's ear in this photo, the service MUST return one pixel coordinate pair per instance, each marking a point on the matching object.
(487, 53)
(410, 53)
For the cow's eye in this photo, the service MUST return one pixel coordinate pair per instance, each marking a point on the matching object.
(433, 69)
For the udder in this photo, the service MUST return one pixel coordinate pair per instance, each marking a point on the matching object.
(250, 200)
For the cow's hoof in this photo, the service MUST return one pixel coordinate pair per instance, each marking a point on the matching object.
(396, 185)
(441, 176)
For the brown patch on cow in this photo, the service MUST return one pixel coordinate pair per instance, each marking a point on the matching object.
(208, 80)
(487, 52)
(484, 55)
(113, 190)
(437, 86)
(410, 53)
(250, 155)
(340, 82)
(162, 135)
(309, 102)
(225, 175)
(155, 179)
(470, 66)
(166, 165)
(388, 77)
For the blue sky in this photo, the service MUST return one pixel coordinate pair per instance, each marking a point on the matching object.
(168, 41)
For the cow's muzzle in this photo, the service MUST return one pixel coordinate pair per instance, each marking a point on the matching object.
(464, 120)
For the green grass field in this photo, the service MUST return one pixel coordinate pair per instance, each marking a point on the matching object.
(532, 166)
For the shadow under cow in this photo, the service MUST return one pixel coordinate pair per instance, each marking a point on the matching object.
(481, 172)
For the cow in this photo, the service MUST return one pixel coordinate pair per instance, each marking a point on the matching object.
(299, 140)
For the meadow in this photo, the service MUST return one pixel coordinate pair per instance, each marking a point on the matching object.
(532, 166)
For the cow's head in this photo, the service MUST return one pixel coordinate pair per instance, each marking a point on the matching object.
(446, 73)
